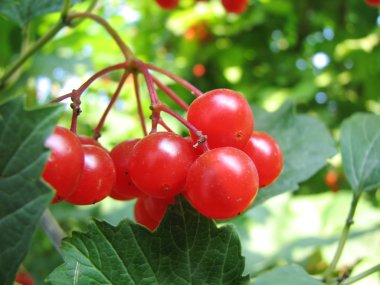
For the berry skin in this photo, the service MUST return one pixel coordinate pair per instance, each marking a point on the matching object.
(159, 163)
(142, 216)
(222, 183)
(87, 140)
(267, 156)
(332, 180)
(98, 177)
(65, 163)
(167, 4)
(373, 3)
(224, 116)
(156, 208)
(24, 278)
(235, 6)
(124, 187)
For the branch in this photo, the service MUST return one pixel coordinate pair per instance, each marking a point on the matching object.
(361, 275)
(52, 229)
(344, 235)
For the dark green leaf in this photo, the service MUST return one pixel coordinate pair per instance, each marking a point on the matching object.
(22, 11)
(360, 145)
(23, 196)
(305, 142)
(287, 275)
(187, 248)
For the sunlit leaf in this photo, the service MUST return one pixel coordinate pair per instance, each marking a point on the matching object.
(360, 144)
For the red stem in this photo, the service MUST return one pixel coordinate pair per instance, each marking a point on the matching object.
(124, 48)
(166, 127)
(78, 93)
(96, 132)
(177, 79)
(155, 101)
(171, 94)
(202, 139)
(139, 106)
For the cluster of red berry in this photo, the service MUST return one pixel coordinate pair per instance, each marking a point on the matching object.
(231, 6)
(219, 172)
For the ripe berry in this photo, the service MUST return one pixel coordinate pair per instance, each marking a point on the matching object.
(224, 116)
(87, 140)
(24, 278)
(124, 186)
(373, 2)
(235, 6)
(159, 163)
(65, 163)
(142, 216)
(167, 4)
(98, 177)
(222, 183)
(156, 208)
(267, 156)
(332, 180)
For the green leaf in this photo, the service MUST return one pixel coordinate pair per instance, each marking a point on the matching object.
(360, 146)
(23, 11)
(187, 248)
(23, 195)
(305, 142)
(287, 275)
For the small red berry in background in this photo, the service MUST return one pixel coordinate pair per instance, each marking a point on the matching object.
(24, 278)
(65, 163)
(97, 179)
(224, 116)
(167, 4)
(332, 180)
(235, 6)
(373, 2)
(222, 183)
(267, 156)
(199, 70)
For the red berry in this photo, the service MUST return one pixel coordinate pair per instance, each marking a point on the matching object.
(142, 216)
(98, 177)
(24, 278)
(65, 163)
(267, 156)
(124, 186)
(159, 163)
(332, 180)
(87, 140)
(235, 6)
(156, 208)
(373, 2)
(167, 4)
(222, 183)
(224, 116)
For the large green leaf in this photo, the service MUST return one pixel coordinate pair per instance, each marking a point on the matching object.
(305, 142)
(187, 248)
(23, 195)
(22, 11)
(287, 275)
(360, 145)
